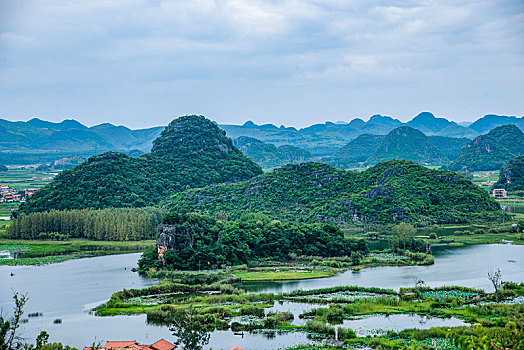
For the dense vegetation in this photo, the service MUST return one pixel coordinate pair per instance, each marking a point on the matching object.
(512, 176)
(269, 156)
(122, 224)
(407, 143)
(191, 152)
(389, 192)
(3, 168)
(356, 151)
(492, 150)
(192, 241)
(401, 143)
(449, 146)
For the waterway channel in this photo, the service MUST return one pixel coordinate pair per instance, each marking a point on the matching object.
(68, 290)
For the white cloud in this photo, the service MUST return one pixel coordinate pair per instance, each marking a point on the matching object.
(319, 44)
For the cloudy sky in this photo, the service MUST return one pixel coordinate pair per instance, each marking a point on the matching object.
(143, 62)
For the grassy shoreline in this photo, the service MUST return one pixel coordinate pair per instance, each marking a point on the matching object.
(220, 308)
(34, 252)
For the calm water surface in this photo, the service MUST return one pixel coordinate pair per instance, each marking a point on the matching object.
(68, 290)
(465, 266)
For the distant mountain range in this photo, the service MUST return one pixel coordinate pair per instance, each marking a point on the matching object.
(325, 139)
(38, 141)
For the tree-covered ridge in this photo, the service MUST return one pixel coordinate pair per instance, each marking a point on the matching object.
(193, 241)
(191, 152)
(401, 143)
(449, 146)
(512, 176)
(356, 151)
(491, 151)
(389, 192)
(269, 156)
(410, 144)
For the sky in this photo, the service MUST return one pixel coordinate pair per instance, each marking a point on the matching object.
(142, 63)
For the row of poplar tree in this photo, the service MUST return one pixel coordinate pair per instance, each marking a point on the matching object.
(111, 224)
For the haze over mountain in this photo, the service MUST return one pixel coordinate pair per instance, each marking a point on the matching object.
(191, 152)
(38, 141)
(267, 155)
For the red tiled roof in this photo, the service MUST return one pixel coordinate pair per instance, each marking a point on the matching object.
(237, 348)
(119, 344)
(162, 344)
(136, 347)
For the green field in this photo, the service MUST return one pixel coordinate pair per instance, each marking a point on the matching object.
(46, 252)
(17, 178)
(282, 275)
(481, 178)
(21, 175)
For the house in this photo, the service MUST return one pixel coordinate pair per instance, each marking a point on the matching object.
(30, 191)
(162, 344)
(499, 193)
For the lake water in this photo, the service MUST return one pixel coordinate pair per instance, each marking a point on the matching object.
(67, 290)
(465, 266)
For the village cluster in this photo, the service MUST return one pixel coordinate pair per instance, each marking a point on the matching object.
(10, 195)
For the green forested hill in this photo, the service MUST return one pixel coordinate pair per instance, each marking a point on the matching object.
(449, 146)
(410, 144)
(313, 192)
(269, 156)
(491, 151)
(191, 152)
(512, 176)
(356, 151)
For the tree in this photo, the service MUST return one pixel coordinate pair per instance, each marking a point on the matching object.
(494, 277)
(191, 333)
(9, 339)
(404, 232)
(355, 257)
(3, 168)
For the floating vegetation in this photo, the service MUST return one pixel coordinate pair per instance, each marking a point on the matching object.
(387, 257)
(343, 296)
(435, 343)
(449, 294)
